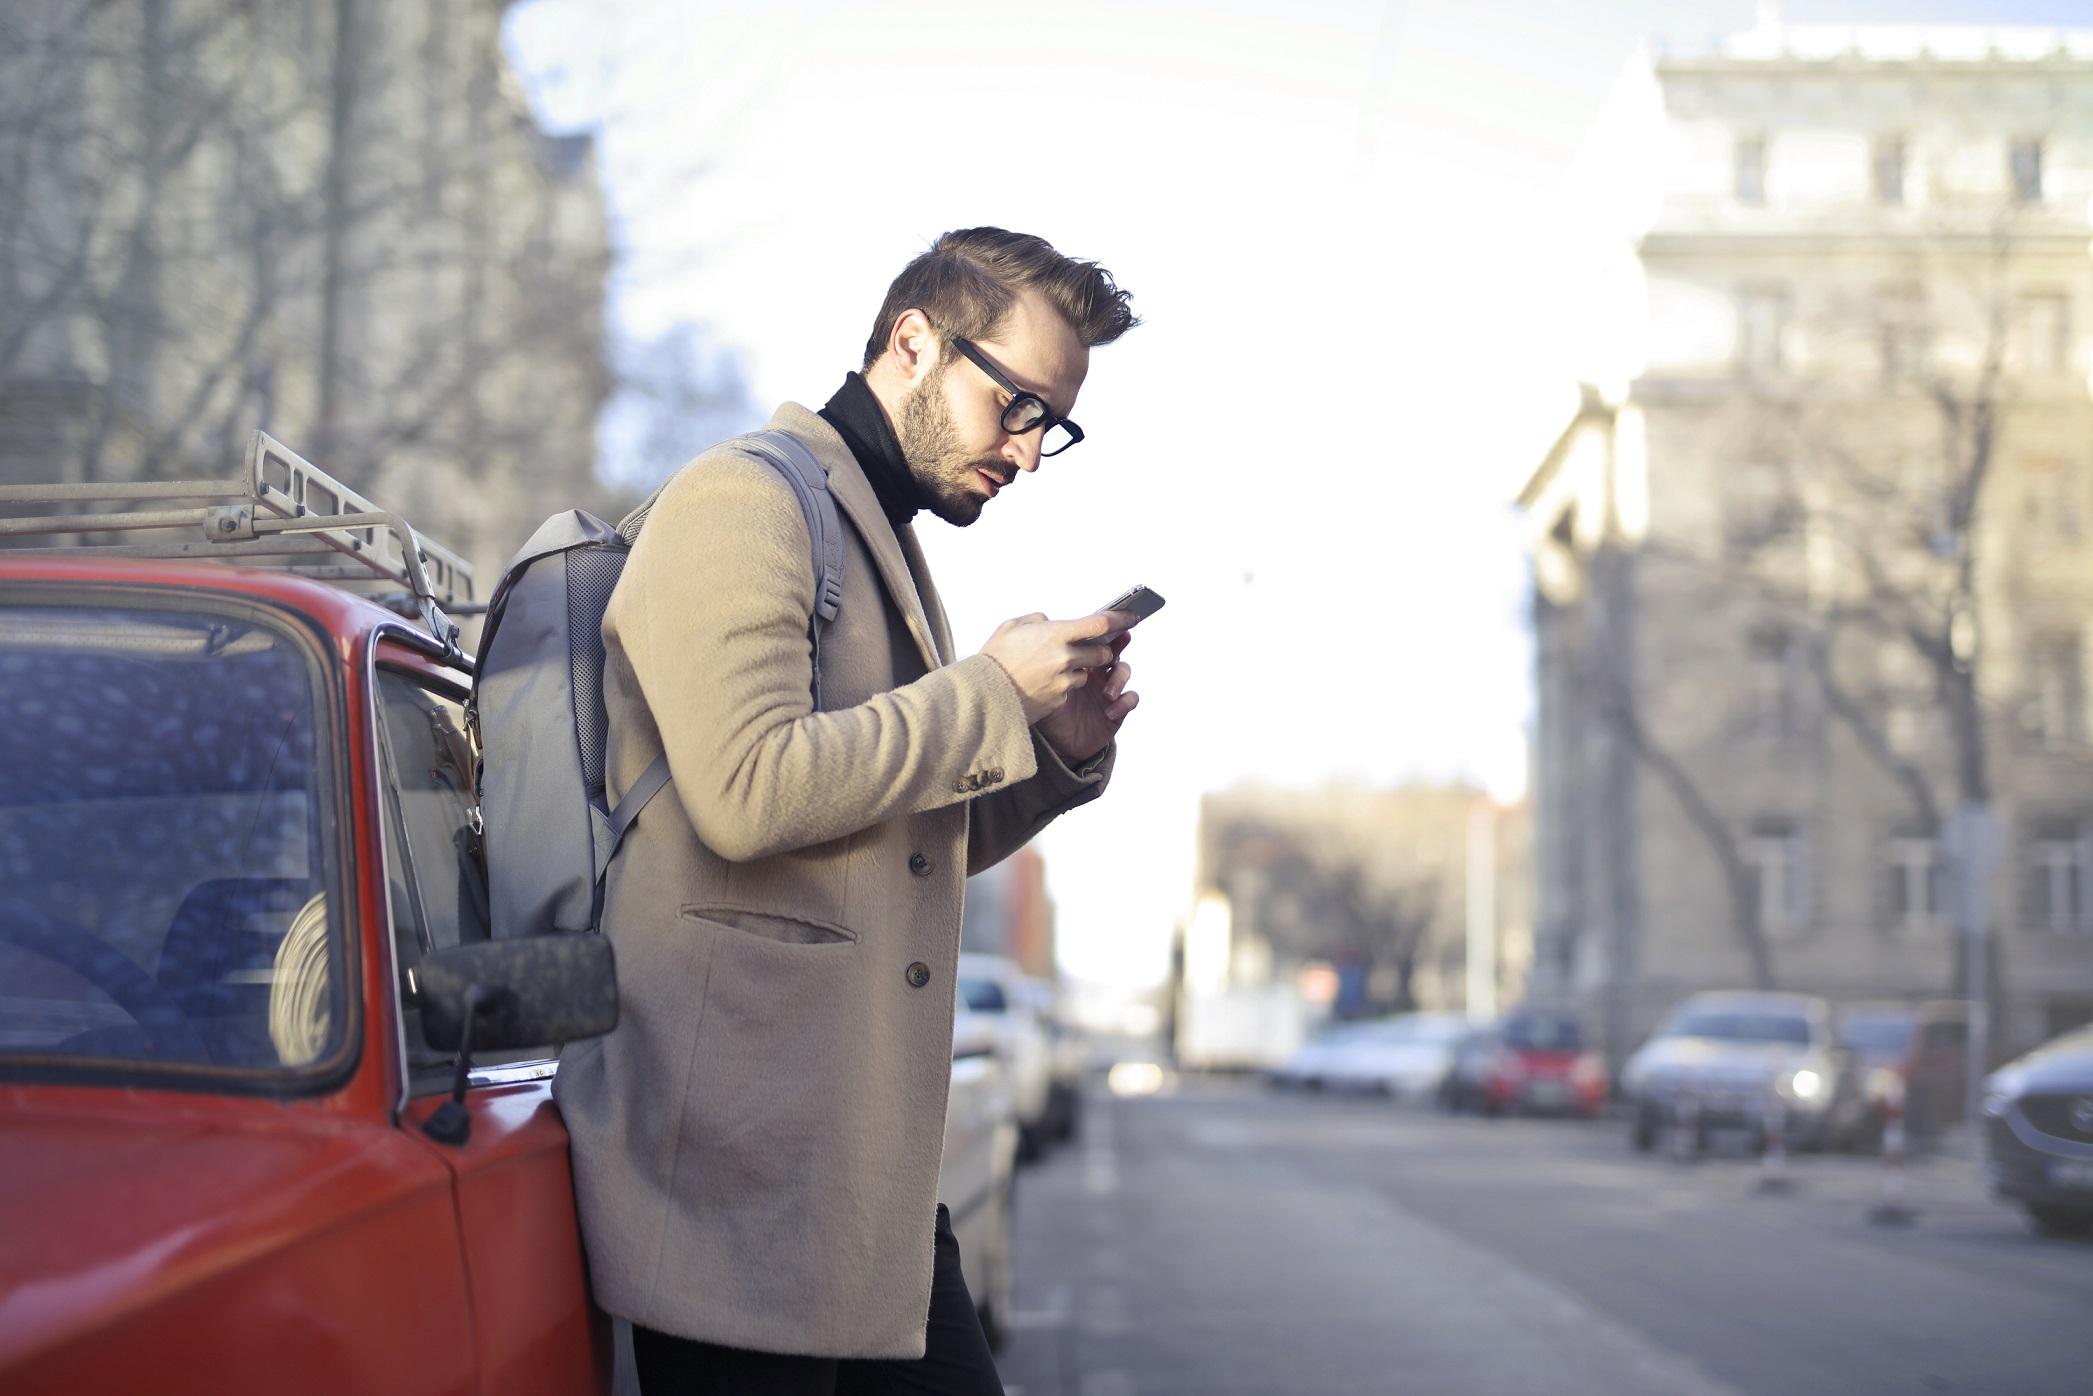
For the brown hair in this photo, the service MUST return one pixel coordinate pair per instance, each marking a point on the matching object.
(967, 280)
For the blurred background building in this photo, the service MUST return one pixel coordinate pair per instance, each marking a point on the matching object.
(1348, 902)
(332, 219)
(1009, 913)
(1812, 564)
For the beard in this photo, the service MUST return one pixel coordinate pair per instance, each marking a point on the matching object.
(943, 466)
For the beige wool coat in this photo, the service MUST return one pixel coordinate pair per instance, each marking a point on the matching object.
(756, 1146)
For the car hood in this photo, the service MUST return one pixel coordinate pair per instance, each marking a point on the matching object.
(108, 1209)
(2063, 1065)
(1669, 1055)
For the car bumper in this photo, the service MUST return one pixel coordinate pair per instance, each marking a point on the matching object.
(1741, 1110)
(2025, 1166)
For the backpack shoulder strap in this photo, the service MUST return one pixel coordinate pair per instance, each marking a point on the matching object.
(788, 455)
(810, 482)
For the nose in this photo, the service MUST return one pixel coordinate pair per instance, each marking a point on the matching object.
(1023, 451)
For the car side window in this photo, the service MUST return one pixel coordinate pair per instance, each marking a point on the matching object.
(436, 887)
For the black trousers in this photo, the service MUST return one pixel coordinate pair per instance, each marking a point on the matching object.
(955, 1360)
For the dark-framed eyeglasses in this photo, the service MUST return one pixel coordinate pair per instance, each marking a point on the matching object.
(1025, 411)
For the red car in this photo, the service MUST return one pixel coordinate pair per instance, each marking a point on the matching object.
(1531, 1062)
(241, 935)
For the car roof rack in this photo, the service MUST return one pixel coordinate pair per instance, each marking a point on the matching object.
(283, 512)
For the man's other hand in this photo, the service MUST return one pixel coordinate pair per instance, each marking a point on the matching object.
(1050, 661)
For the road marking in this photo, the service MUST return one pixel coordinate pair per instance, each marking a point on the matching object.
(1100, 1156)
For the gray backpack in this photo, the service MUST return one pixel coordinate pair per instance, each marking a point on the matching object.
(537, 709)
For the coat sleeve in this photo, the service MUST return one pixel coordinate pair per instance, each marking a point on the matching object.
(711, 614)
(1007, 820)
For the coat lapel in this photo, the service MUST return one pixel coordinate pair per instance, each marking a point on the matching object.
(853, 493)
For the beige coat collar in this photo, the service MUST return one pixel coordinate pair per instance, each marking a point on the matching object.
(900, 564)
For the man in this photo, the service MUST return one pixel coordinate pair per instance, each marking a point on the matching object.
(756, 1147)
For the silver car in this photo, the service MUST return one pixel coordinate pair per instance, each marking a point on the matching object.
(1729, 1060)
(977, 1181)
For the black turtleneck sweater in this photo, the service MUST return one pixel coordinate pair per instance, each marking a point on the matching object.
(862, 423)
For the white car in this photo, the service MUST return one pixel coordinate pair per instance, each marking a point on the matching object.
(996, 990)
(1408, 1055)
(978, 1179)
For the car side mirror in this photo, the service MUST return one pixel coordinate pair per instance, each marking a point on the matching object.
(501, 994)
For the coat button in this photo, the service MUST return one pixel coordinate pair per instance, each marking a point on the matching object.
(918, 975)
(919, 864)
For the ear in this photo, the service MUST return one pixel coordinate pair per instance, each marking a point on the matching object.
(913, 347)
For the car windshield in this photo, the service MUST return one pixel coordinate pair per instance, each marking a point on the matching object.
(164, 843)
(1887, 1033)
(1741, 1025)
(1543, 1035)
(983, 995)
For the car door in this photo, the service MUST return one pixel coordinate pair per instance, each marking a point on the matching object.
(533, 1328)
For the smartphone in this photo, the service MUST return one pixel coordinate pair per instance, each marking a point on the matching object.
(1139, 601)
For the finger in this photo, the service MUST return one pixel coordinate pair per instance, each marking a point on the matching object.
(1121, 676)
(1119, 645)
(1117, 710)
(1091, 656)
(1099, 624)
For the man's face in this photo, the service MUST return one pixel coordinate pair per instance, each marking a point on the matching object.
(951, 425)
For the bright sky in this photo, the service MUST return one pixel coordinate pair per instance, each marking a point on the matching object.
(1335, 219)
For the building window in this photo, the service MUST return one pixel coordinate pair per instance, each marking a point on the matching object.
(2057, 691)
(1775, 685)
(1888, 168)
(1917, 883)
(2024, 161)
(2060, 882)
(2041, 339)
(1776, 858)
(1762, 327)
(1751, 170)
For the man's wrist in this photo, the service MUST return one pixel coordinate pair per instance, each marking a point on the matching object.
(1073, 762)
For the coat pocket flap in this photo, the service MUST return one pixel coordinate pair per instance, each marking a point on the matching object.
(772, 925)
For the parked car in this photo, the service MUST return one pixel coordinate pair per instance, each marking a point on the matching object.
(997, 989)
(240, 920)
(1729, 1059)
(1309, 1066)
(239, 923)
(1407, 1055)
(1529, 1061)
(1068, 1061)
(978, 1178)
(2038, 1133)
(1916, 1054)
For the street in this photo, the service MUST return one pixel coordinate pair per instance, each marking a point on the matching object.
(1218, 1238)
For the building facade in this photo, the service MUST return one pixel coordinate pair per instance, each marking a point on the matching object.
(1009, 913)
(1812, 567)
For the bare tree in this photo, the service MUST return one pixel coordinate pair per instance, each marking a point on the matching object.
(331, 218)
(1325, 886)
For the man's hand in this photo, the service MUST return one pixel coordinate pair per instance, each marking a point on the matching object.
(1050, 659)
(1090, 718)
